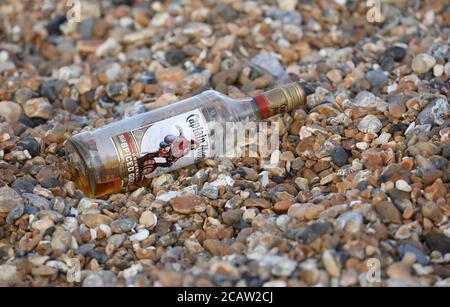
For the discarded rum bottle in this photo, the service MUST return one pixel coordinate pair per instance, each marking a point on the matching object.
(124, 153)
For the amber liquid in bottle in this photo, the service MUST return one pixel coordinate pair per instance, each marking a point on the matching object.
(126, 154)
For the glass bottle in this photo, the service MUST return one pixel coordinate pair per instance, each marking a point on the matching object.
(123, 154)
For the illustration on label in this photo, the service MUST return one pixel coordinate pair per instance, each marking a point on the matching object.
(161, 147)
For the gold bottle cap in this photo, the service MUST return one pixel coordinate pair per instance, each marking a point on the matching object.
(282, 99)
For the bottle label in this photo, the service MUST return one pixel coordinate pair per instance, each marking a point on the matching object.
(162, 147)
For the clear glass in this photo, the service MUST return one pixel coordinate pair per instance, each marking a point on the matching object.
(94, 163)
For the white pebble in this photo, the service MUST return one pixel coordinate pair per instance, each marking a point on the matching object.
(402, 185)
(140, 236)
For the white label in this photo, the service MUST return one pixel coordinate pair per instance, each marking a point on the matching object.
(162, 147)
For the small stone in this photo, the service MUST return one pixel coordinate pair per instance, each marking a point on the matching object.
(29, 143)
(250, 174)
(431, 211)
(62, 240)
(370, 124)
(218, 248)
(15, 213)
(38, 108)
(24, 185)
(377, 78)
(99, 279)
(8, 273)
(117, 240)
(435, 112)
(94, 220)
(339, 156)
(162, 180)
(302, 183)
(122, 225)
(286, 17)
(402, 185)
(438, 70)
(447, 69)
(438, 242)
(334, 75)
(210, 191)
(383, 138)
(117, 91)
(50, 182)
(424, 149)
(388, 213)
(22, 95)
(367, 99)
(175, 56)
(148, 219)
(422, 63)
(305, 211)
(231, 217)
(148, 77)
(9, 199)
(42, 225)
(399, 271)
(330, 264)
(405, 248)
(397, 109)
(257, 203)
(446, 151)
(172, 74)
(397, 53)
(234, 202)
(11, 111)
(140, 236)
(188, 204)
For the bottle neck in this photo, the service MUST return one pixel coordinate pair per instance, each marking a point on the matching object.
(280, 100)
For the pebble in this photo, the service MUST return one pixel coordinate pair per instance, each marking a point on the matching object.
(305, 211)
(9, 199)
(397, 53)
(388, 213)
(285, 16)
(422, 63)
(29, 143)
(377, 78)
(370, 124)
(148, 219)
(99, 279)
(330, 264)
(435, 112)
(339, 156)
(117, 91)
(24, 185)
(210, 191)
(38, 108)
(188, 204)
(94, 220)
(61, 241)
(15, 213)
(22, 95)
(140, 236)
(405, 248)
(175, 56)
(8, 273)
(231, 217)
(122, 225)
(10, 110)
(402, 185)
